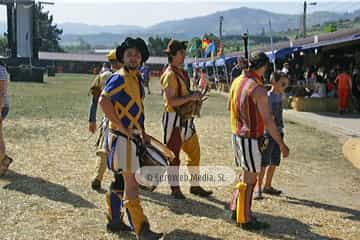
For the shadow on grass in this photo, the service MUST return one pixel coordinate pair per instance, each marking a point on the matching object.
(280, 227)
(183, 234)
(42, 188)
(176, 234)
(289, 228)
(354, 214)
(187, 206)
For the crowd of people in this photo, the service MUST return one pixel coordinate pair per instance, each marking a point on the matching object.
(316, 82)
(337, 81)
(116, 88)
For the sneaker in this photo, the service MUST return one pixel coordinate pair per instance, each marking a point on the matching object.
(96, 184)
(272, 191)
(199, 191)
(254, 225)
(116, 227)
(147, 234)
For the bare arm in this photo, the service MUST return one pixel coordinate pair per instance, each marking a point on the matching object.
(93, 108)
(228, 104)
(261, 98)
(109, 110)
(175, 101)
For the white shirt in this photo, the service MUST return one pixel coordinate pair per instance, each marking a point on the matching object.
(285, 70)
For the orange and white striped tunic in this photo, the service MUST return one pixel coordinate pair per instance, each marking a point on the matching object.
(246, 120)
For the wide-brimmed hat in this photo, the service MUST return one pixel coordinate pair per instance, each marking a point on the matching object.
(258, 60)
(174, 46)
(137, 43)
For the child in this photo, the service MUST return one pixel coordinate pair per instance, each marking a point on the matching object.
(271, 152)
(203, 82)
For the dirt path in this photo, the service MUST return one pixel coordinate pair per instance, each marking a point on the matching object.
(47, 194)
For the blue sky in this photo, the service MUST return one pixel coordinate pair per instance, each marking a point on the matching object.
(145, 13)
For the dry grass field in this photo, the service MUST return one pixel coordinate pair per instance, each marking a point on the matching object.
(47, 193)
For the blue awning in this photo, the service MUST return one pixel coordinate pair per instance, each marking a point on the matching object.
(201, 64)
(209, 64)
(220, 62)
(282, 53)
(231, 60)
(308, 47)
(189, 65)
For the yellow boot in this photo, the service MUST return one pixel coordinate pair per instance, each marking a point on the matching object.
(100, 170)
(136, 214)
(192, 149)
(241, 203)
(139, 221)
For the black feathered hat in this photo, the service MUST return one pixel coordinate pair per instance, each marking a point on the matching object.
(137, 43)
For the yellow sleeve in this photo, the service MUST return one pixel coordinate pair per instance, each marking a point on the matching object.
(95, 88)
(169, 81)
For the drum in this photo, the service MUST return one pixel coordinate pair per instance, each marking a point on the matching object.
(154, 157)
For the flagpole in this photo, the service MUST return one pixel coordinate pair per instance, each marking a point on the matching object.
(272, 46)
(248, 42)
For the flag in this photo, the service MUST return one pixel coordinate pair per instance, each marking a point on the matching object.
(205, 43)
(210, 50)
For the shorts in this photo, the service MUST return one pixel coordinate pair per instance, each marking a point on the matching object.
(4, 112)
(123, 155)
(247, 153)
(272, 153)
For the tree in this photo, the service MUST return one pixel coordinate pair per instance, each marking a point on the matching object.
(194, 47)
(330, 28)
(157, 45)
(47, 34)
(81, 47)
